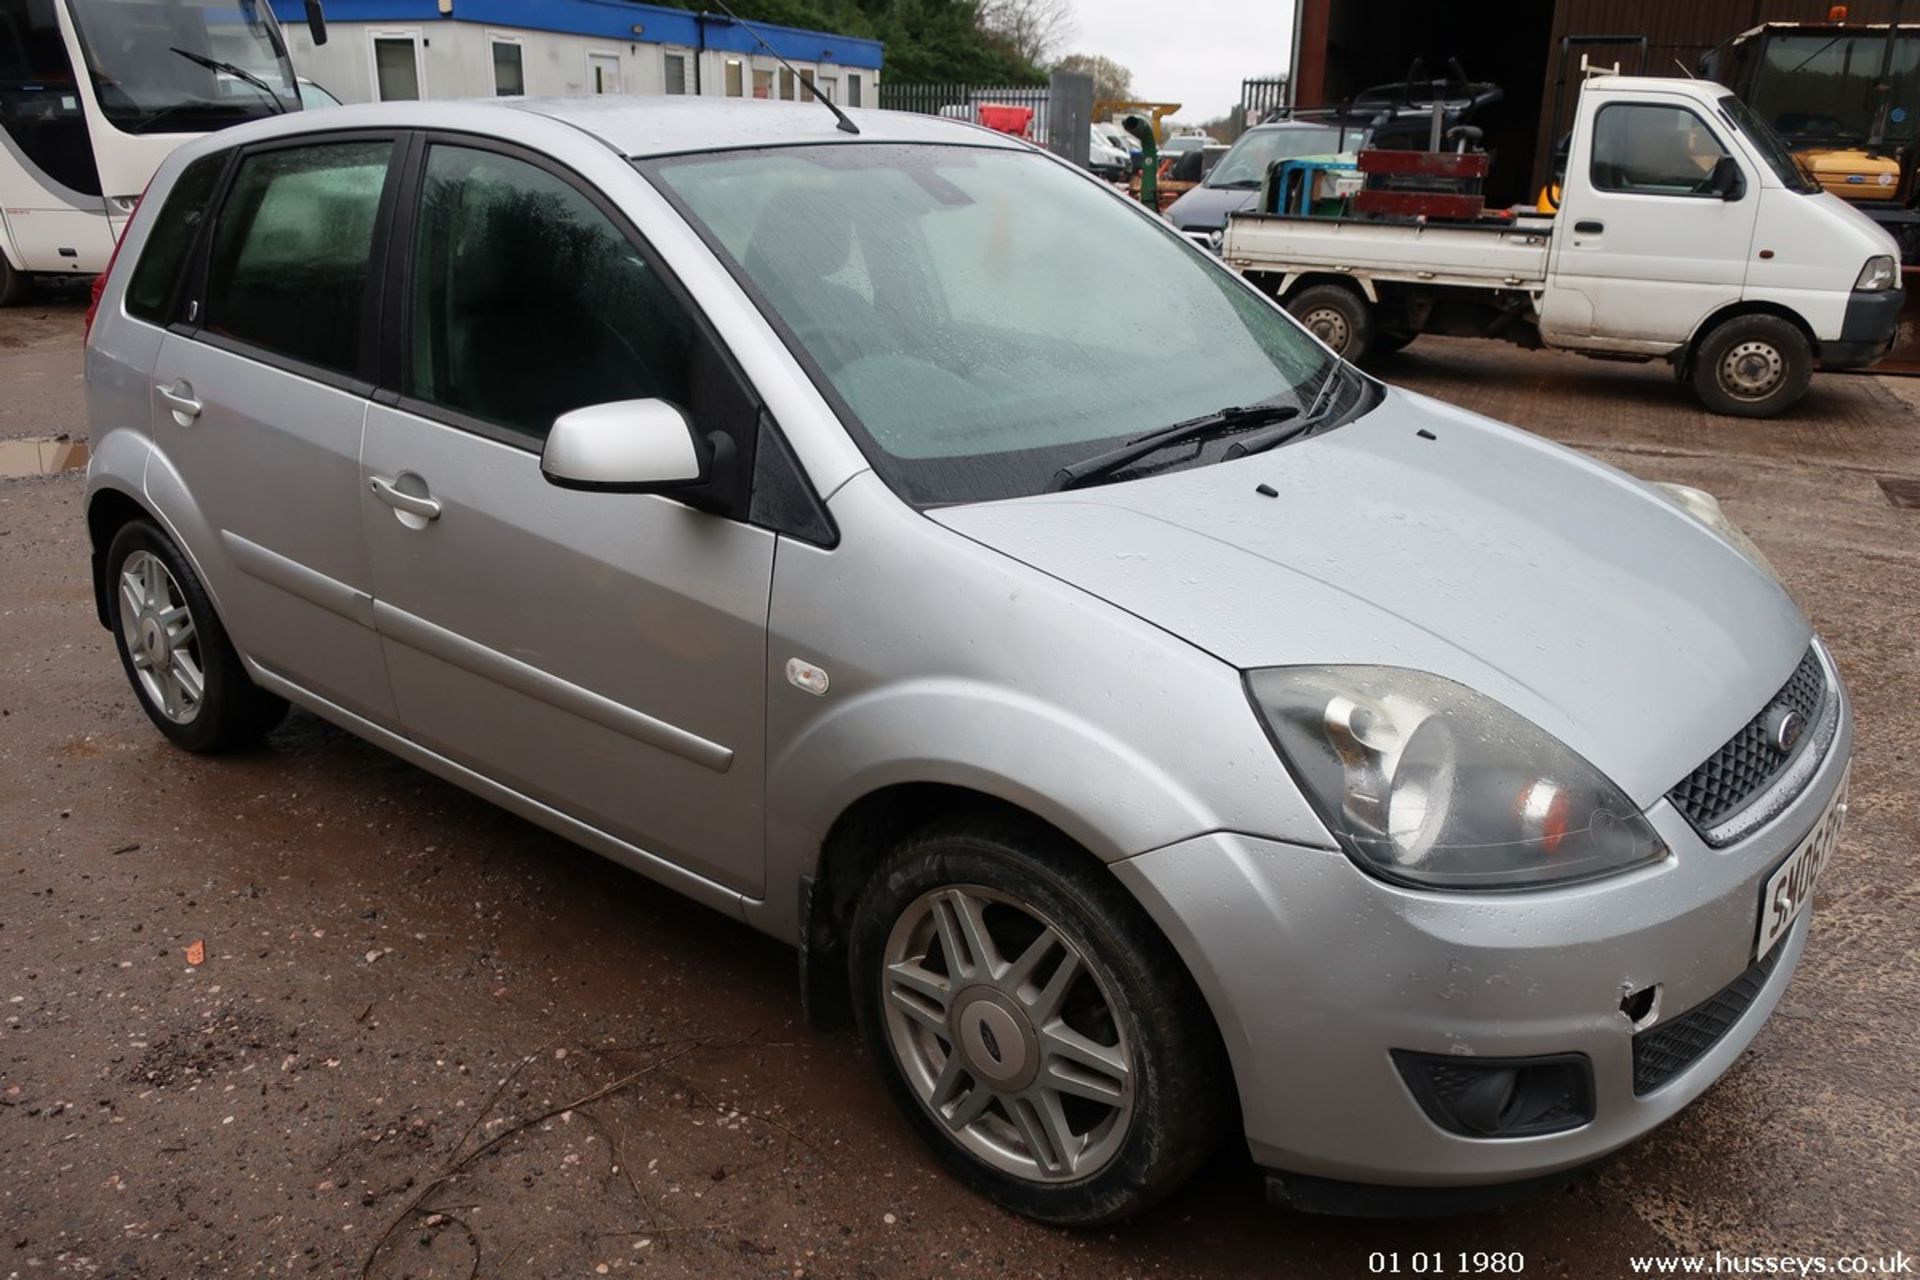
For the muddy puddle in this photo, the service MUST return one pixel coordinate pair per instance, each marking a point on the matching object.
(41, 456)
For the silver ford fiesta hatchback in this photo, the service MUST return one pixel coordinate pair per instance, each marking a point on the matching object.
(897, 541)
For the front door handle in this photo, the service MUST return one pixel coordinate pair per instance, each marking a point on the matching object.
(412, 504)
(1588, 227)
(179, 398)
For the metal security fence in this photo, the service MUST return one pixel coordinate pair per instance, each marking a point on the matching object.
(963, 101)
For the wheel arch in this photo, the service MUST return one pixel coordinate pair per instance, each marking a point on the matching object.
(109, 510)
(1690, 350)
(1292, 282)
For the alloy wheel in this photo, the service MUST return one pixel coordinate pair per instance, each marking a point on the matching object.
(162, 642)
(1008, 1034)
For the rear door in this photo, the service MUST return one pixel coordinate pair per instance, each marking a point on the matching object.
(601, 653)
(259, 397)
(1644, 247)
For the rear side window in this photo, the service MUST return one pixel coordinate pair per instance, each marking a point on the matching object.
(291, 249)
(171, 239)
(527, 301)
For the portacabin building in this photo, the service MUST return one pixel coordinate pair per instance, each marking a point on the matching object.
(386, 50)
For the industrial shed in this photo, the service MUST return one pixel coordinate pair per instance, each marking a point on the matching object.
(1532, 48)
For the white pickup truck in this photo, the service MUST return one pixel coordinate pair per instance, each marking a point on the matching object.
(1685, 232)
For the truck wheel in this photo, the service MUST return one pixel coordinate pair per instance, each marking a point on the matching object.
(14, 285)
(1752, 366)
(1337, 316)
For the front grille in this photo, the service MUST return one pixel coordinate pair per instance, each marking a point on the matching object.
(1747, 765)
(1662, 1052)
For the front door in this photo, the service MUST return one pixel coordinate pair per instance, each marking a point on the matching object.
(1645, 247)
(258, 404)
(603, 73)
(601, 653)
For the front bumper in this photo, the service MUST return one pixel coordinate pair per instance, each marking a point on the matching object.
(1316, 972)
(1866, 330)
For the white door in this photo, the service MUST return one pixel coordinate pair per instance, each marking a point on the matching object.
(603, 73)
(398, 74)
(1654, 228)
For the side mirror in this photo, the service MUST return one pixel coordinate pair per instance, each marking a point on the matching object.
(1726, 180)
(317, 22)
(625, 446)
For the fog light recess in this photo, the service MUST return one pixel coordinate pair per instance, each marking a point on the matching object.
(1500, 1097)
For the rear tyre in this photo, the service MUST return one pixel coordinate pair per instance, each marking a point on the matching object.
(1337, 316)
(184, 670)
(14, 285)
(1031, 1023)
(1752, 366)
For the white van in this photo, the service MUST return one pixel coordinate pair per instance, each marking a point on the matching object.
(1686, 232)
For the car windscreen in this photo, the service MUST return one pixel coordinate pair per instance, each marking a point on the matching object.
(1246, 164)
(1773, 150)
(177, 66)
(984, 316)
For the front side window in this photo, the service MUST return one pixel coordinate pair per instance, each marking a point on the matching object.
(151, 284)
(509, 78)
(984, 316)
(39, 100)
(291, 251)
(177, 66)
(1647, 149)
(526, 301)
(396, 69)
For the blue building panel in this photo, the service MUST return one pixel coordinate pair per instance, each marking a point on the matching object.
(608, 19)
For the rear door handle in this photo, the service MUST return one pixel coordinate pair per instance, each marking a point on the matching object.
(1588, 227)
(179, 398)
(425, 508)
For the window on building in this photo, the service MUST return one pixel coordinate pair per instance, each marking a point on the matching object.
(172, 236)
(762, 83)
(736, 82)
(288, 271)
(509, 77)
(786, 84)
(527, 302)
(853, 90)
(396, 68)
(1650, 149)
(806, 78)
(677, 73)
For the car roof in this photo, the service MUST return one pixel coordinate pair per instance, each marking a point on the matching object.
(659, 125)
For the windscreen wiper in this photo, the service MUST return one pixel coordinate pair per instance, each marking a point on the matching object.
(1275, 436)
(215, 64)
(1232, 418)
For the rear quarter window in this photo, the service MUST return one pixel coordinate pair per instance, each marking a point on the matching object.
(171, 240)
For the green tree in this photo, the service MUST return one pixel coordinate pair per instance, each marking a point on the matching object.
(1111, 81)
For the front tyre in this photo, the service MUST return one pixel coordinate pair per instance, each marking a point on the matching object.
(1034, 1027)
(14, 285)
(184, 670)
(1752, 366)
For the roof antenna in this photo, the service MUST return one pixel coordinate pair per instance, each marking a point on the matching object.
(845, 125)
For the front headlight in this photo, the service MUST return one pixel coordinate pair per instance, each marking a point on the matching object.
(1705, 508)
(1425, 782)
(1216, 238)
(1879, 273)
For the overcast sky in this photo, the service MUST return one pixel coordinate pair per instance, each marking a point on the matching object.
(1194, 52)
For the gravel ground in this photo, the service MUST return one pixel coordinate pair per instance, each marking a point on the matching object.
(393, 973)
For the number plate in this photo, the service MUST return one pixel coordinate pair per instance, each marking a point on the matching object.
(1790, 888)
